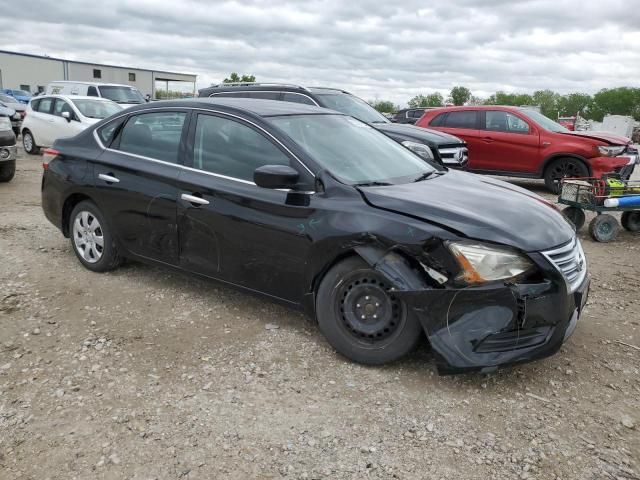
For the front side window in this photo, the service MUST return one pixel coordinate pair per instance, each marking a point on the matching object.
(62, 106)
(461, 119)
(497, 121)
(154, 135)
(226, 147)
(352, 150)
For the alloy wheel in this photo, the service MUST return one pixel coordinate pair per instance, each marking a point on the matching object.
(88, 237)
(27, 141)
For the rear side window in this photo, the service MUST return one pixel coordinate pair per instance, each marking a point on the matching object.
(416, 113)
(108, 132)
(438, 121)
(154, 135)
(44, 106)
(297, 98)
(461, 119)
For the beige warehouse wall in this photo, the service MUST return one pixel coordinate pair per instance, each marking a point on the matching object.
(16, 70)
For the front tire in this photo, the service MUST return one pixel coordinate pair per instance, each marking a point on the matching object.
(563, 168)
(361, 319)
(91, 238)
(29, 143)
(7, 171)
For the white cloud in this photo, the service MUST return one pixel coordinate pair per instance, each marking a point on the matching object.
(389, 50)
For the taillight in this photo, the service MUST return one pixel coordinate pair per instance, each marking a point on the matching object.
(48, 154)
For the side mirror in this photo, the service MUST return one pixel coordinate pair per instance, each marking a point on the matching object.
(67, 115)
(275, 176)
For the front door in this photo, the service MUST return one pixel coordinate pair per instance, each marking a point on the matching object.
(231, 229)
(136, 183)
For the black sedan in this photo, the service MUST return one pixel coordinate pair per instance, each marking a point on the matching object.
(326, 214)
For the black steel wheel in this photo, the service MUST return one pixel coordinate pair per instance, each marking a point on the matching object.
(604, 228)
(576, 216)
(361, 318)
(563, 168)
(631, 221)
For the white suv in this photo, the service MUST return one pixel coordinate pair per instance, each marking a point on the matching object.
(50, 117)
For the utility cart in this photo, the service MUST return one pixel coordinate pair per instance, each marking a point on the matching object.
(602, 195)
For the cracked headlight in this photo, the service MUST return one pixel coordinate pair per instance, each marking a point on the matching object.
(483, 263)
(611, 151)
(420, 149)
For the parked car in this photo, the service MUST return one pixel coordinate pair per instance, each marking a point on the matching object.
(7, 145)
(125, 95)
(444, 148)
(324, 213)
(8, 101)
(50, 117)
(21, 95)
(522, 142)
(408, 115)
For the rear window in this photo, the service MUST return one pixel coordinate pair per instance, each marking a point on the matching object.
(153, 135)
(461, 119)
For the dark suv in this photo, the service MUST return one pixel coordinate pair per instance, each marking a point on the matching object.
(408, 115)
(444, 148)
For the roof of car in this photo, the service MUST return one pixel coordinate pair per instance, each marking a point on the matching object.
(260, 107)
(283, 87)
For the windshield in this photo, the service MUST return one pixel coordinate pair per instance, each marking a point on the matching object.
(21, 93)
(7, 99)
(350, 105)
(353, 151)
(544, 122)
(97, 108)
(121, 94)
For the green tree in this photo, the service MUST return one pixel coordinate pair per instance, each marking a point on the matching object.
(434, 99)
(616, 101)
(574, 103)
(547, 100)
(384, 106)
(460, 95)
(235, 78)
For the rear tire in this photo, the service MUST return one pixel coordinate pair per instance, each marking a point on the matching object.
(361, 319)
(7, 171)
(29, 143)
(563, 168)
(576, 216)
(631, 221)
(91, 238)
(604, 228)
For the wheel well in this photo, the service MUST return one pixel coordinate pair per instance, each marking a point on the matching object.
(558, 156)
(67, 208)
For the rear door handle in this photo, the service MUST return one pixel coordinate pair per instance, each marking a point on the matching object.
(108, 178)
(193, 199)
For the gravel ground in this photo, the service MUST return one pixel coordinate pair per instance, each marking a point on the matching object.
(143, 373)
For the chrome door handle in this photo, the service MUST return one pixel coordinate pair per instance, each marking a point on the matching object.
(193, 199)
(108, 178)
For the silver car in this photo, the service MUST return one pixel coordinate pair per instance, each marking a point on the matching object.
(8, 101)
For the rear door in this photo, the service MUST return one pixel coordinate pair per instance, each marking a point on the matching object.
(136, 180)
(466, 125)
(231, 229)
(42, 121)
(508, 143)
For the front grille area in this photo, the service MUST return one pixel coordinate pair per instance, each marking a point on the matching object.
(454, 156)
(569, 259)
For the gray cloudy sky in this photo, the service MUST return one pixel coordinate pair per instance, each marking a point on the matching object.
(376, 49)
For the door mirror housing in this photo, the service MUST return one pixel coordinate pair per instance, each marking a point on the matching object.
(67, 116)
(275, 176)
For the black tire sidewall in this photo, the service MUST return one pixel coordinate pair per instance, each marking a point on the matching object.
(597, 222)
(347, 345)
(550, 183)
(631, 221)
(110, 258)
(7, 171)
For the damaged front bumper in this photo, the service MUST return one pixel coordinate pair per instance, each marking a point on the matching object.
(481, 328)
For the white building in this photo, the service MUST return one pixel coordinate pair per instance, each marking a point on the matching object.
(33, 72)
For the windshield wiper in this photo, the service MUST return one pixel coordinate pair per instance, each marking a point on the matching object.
(372, 184)
(425, 176)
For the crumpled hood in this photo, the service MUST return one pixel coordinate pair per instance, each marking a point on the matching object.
(611, 138)
(478, 207)
(423, 135)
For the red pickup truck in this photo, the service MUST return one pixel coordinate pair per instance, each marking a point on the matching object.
(521, 142)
